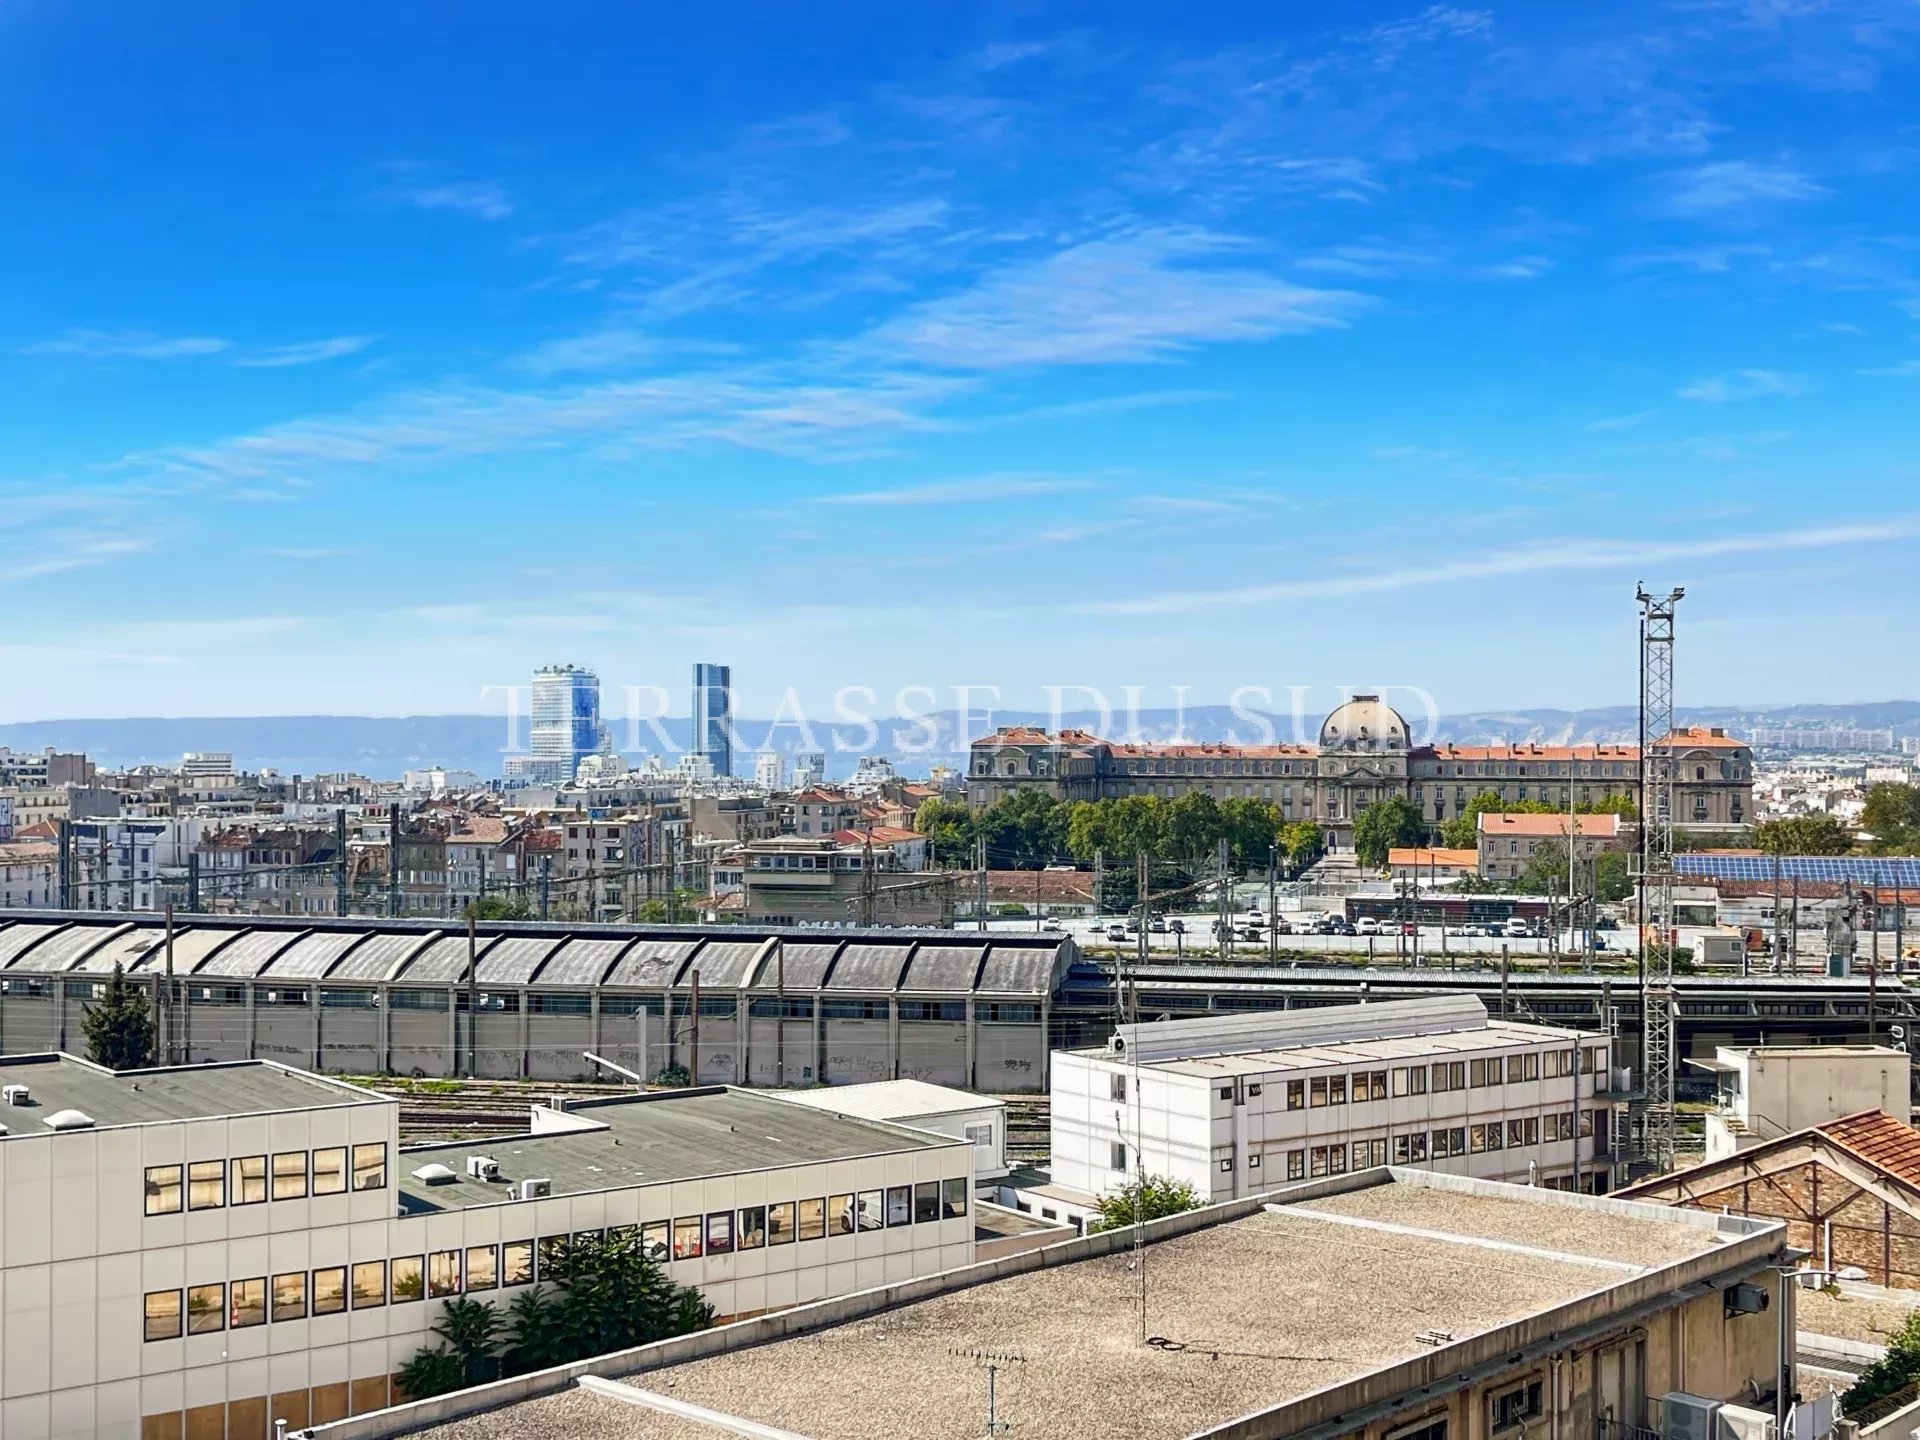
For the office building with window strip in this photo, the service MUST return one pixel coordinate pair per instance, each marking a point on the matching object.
(1235, 1105)
(194, 1253)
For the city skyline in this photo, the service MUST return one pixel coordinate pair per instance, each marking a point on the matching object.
(1391, 344)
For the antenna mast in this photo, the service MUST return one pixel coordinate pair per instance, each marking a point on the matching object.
(1656, 874)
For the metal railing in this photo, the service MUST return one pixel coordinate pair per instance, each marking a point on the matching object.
(1620, 1430)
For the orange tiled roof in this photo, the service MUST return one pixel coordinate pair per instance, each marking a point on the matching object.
(1529, 752)
(1437, 856)
(1705, 737)
(1879, 1140)
(1603, 827)
(880, 834)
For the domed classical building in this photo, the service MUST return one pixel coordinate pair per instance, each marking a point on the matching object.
(1365, 753)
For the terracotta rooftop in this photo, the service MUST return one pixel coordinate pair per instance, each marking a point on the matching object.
(1437, 855)
(1709, 737)
(879, 834)
(1879, 1140)
(1530, 752)
(1526, 824)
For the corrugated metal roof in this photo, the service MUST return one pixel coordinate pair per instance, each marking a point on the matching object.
(652, 963)
(125, 950)
(725, 964)
(373, 958)
(248, 955)
(190, 949)
(514, 959)
(62, 950)
(16, 939)
(948, 969)
(800, 967)
(444, 961)
(868, 967)
(581, 962)
(1018, 970)
(310, 957)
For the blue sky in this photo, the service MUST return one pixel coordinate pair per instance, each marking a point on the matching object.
(357, 357)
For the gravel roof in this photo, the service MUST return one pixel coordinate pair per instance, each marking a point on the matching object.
(576, 1415)
(1254, 1312)
(1547, 1226)
(1871, 1319)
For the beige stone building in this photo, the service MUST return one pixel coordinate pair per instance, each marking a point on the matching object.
(1508, 841)
(1364, 754)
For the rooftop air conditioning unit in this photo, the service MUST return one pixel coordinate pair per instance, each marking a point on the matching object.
(435, 1174)
(1688, 1417)
(536, 1189)
(15, 1094)
(483, 1167)
(1739, 1423)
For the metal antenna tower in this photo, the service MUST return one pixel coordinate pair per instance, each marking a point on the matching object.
(1656, 873)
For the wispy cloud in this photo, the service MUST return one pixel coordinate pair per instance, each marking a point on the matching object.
(1371, 261)
(1573, 554)
(62, 551)
(1621, 422)
(1906, 369)
(127, 345)
(481, 199)
(1148, 296)
(1730, 189)
(1744, 385)
(963, 492)
(1695, 259)
(310, 352)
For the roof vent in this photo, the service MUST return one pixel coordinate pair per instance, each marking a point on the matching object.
(435, 1174)
(483, 1167)
(15, 1094)
(69, 1120)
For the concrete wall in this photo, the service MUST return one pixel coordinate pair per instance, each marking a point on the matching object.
(1788, 1090)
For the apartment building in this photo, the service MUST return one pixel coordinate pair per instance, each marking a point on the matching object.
(201, 1251)
(794, 879)
(29, 874)
(1235, 1105)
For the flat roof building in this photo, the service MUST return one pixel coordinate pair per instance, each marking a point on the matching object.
(1234, 1105)
(1391, 1304)
(201, 1251)
(980, 1120)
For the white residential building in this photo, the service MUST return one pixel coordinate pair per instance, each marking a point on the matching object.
(207, 764)
(1766, 1091)
(770, 770)
(204, 1250)
(1239, 1105)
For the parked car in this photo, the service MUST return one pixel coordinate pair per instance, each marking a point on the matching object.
(1049, 923)
(1158, 925)
(1116, 932)
(1466, 930)
(1178, 927)
(1369, 926)
(1517, 929)
(1281, 927)
(1339, 925)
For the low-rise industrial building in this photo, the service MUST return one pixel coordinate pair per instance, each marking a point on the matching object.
(1765, 1091)
(1239, 1104)
(1508, 840)
(527, 1000)
(1393, 1305)
(980, 1120)
(201, 1251)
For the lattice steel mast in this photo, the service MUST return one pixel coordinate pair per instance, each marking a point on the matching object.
(1656, 874)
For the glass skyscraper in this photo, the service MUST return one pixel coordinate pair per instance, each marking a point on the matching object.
(713, 716)
(566, 721)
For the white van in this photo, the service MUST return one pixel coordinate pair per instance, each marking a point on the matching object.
(1517, 929)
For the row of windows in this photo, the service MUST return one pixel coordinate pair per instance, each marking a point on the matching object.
(1365, 1086)
(1416, 1147)
(332, 1290)
(254, 1179)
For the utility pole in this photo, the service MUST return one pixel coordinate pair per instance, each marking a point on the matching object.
(1656, 872)
(393, 860)
(980, 877)
(546, 887)
(869, 882)
(693, 1034)
(63, 829)
(1225, 923)
(473, 1000)
(1273, 905)
(341, 897)
(1130, 998)
(673, 879)
(166, 1013)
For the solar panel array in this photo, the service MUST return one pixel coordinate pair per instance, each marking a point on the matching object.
(1887, 871)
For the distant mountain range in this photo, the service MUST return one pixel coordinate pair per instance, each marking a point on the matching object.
(382, 747)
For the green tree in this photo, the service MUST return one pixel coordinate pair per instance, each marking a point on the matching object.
(1892, 817)
(949, 828)
(1897, 1369)
(118, 1028)
(1090, 828)
(1139, 822)
(1025, 831)
(1148, 1198)
(1803, 835)
(1383, 826)
(1252, 829)
(1195, 828)
(496, 907)
(469, 1354)
(1612, 876)
(1304, 841)
(1463, 831)
(1545, 872)
(431, 1372)
(654, 911)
